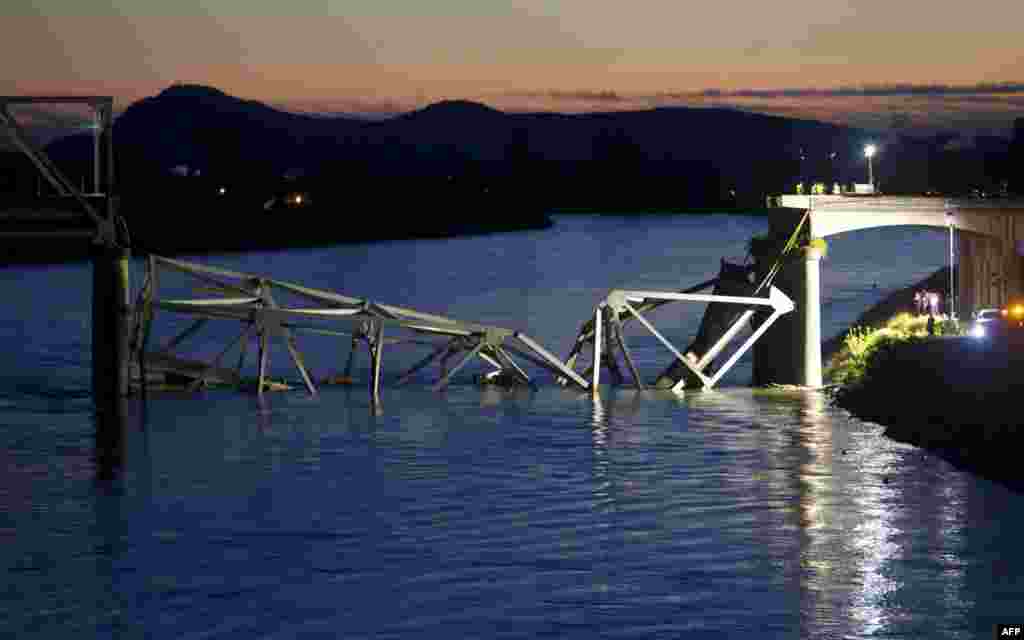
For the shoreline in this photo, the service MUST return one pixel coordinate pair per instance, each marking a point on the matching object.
(953, 397)
(755, 212)
(878, 314)
(176, 242)
(54, 252)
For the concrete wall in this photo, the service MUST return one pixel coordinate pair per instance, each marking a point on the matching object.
(990, 272)
(982, 280)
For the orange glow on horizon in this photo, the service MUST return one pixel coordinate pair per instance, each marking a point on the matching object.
(567, 56)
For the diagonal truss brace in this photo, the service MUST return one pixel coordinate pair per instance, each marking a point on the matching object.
(620, 302)
(248, 300)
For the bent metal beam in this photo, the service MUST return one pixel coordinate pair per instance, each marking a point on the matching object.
(249, 300)
(604, 333)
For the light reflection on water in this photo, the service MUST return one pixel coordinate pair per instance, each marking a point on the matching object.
(481, 512)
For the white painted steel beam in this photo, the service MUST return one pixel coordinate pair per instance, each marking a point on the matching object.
(618, 298)
(256, 309)
(596, 367)
(209, 302)
(289, 341)
(638, 296)
(745, 346)
(551, 359)
(724, 340)
(377, 355)
(668, 345)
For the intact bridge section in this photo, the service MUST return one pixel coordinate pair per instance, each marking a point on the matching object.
(987, 234)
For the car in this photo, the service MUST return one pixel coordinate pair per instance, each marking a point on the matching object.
(1013, 315)
(984, 320)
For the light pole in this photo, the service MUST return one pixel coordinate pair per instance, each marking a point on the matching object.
(951, 221)
(869, 152)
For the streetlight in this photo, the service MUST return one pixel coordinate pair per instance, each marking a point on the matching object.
(951, 223)
(869, 152)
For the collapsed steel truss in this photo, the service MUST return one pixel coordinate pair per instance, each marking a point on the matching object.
(604, 332)
(249, 300)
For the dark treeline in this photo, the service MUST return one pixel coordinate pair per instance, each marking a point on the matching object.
(201, 169)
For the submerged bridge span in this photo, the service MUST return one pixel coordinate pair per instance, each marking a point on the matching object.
(990, 237)
(987, 244)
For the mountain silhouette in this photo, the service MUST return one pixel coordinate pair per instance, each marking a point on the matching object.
(205, 128)
(195, 156)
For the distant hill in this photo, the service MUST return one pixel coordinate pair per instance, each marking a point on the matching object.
(201, 126)
(207, 129)
(193, 155)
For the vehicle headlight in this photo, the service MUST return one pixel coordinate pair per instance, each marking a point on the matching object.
(978, 331)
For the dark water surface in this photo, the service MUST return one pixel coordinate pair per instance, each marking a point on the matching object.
(487, 513)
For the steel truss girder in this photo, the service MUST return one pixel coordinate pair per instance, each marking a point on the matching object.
(248, 299)
(610, 312)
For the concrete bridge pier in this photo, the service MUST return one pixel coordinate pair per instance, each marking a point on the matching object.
(989, 249)
(111, 307)
(790, 351)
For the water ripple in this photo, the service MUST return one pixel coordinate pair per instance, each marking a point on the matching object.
(488, 514)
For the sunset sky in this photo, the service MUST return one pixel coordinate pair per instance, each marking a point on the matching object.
(567, 55)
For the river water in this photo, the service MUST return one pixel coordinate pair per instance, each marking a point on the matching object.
(487, 513)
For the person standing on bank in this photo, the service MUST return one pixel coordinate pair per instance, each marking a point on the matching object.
(931, 324)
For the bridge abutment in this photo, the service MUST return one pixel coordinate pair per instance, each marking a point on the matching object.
(989, 252)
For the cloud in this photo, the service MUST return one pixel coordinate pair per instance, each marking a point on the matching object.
(366, 108)
(888, 90)
(925, 109)
(595, 96)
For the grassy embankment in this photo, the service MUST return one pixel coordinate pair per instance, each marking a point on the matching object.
(846, 353)
(957, 397)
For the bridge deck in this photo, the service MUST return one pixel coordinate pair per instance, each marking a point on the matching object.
(834, 214)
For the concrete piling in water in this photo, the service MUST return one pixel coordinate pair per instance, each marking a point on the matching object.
(810, 314)
(790, 352)
(110, 347)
